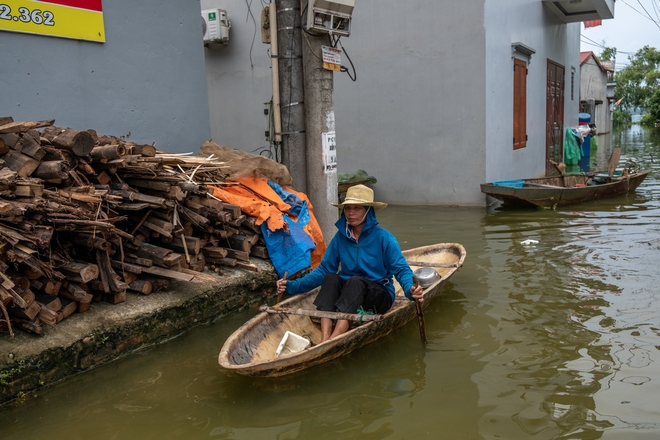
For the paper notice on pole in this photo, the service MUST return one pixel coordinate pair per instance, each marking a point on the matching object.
(331, 58)
(329, 152)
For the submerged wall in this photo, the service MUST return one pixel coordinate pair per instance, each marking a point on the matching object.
(107, 332)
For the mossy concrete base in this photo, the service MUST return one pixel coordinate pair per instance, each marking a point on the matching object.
(106, 332)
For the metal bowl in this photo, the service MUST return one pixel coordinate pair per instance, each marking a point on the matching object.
(427, 276)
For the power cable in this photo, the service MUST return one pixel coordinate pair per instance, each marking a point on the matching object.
(254, 35)
(345, 69)
(655, 8)
(647, 16)
(600, 45)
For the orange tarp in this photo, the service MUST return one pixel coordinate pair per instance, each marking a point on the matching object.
(257, 199)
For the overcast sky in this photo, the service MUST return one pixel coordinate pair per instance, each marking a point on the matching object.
(629, 30)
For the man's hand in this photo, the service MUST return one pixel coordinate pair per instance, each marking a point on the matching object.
(417, 293)
(281, 285)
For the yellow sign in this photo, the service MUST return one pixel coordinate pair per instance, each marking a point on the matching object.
(77, 19)
(331, 58)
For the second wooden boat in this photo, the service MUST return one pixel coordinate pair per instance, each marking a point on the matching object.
(550, 192)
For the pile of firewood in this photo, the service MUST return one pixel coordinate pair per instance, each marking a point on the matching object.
(85, 218)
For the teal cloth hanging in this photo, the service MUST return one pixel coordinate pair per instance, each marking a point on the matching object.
(572, 151)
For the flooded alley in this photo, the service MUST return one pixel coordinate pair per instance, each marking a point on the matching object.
(551, 330)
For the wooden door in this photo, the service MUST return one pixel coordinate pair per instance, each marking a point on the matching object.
(554, 125)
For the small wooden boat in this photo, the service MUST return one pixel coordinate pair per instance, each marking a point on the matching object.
(550, 192)
(251, 349)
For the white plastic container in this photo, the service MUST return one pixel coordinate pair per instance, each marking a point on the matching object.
(291, 343)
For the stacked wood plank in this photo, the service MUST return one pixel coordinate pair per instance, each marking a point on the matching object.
(87, 218)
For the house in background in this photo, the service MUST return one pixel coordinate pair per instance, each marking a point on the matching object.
(596, 90)
(448, 94)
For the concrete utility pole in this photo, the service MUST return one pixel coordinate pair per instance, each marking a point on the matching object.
(320, 135)
(291, 91)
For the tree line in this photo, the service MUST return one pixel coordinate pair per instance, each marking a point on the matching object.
(637, 87)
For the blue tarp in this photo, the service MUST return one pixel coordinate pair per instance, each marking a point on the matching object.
(290, 248)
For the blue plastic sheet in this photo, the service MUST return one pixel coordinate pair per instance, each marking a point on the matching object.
(298, 206)
(290, 248)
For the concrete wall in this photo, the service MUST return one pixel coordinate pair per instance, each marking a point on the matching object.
(593, 85)
(146, 82)
(239, 79)
(430, 115)
(415, 116)
(531, 23)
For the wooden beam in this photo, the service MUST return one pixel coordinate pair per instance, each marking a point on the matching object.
(320, 314)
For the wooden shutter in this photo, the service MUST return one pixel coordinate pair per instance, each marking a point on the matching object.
(519, 104)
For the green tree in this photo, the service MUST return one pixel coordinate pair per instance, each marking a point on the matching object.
(608, 54)
(639, 81)
(652, 116)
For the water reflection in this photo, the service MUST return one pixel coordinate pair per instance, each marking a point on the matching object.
(551, 288)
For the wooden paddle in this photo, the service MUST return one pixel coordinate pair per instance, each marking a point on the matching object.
(420, 314)
(279, 295)
(614, 161)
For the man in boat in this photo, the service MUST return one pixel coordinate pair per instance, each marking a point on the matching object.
(356, 272)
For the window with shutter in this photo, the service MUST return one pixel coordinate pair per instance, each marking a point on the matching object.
(519, 104)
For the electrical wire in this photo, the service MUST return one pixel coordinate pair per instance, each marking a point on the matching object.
(345, 69)
(648, 15)
(640, 13)
(655, 9)
(254, 35)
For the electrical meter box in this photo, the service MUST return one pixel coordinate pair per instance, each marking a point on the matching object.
(215, 26)
(330, 16)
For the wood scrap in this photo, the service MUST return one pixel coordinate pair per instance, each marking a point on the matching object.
(85, 217)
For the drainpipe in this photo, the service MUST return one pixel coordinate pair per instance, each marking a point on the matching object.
(275, 70)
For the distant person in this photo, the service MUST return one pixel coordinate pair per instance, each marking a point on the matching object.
(357, 267)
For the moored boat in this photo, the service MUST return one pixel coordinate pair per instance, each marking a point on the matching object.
(251, 349)
(550, 192)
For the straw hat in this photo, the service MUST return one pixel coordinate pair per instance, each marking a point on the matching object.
(360, 195)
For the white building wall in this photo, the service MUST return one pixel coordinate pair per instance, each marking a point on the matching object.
(238, 78)
(415, 117)
(430, 115)
(532, 24)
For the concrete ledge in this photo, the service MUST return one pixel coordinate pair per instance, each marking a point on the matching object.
(106, 332)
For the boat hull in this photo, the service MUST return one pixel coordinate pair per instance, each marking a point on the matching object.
(250, 350)
(550, 192)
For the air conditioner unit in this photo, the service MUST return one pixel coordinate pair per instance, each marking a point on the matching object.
(330, 16)
(215, 26)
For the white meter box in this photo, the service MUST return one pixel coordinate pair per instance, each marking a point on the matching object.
(330, 16)
(216, 26)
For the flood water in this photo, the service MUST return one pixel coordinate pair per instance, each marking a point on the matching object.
(554, 340)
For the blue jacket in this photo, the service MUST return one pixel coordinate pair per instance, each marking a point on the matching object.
(377, 257)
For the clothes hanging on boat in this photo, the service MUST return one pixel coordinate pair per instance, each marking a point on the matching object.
(572, 151)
